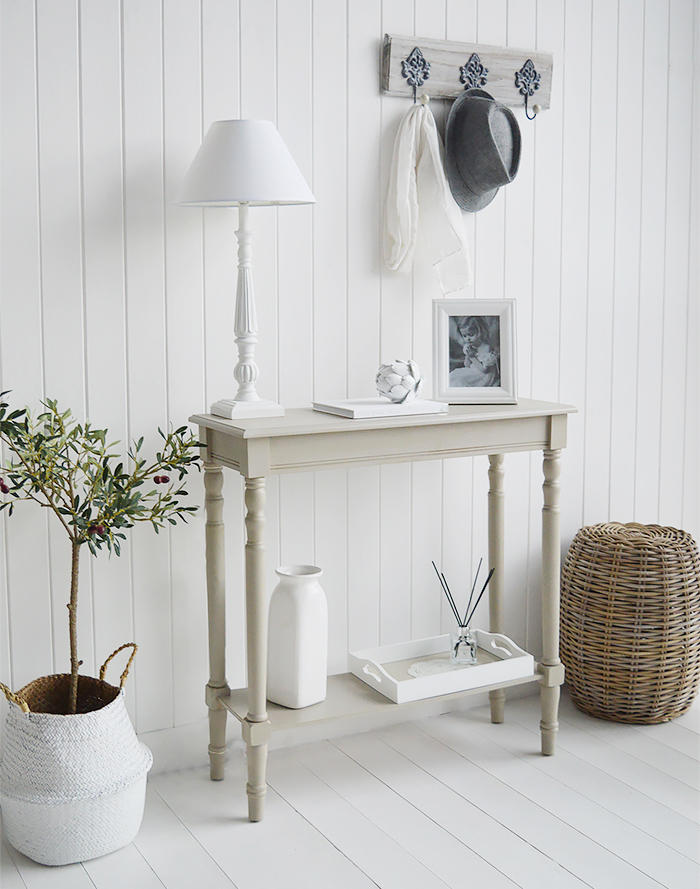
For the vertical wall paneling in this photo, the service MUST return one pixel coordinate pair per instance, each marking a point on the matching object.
(104, 288)
(394, 568)
(673, 367)
(26, 540)
(59, 206)
(121, 304)
(295, 234)
(364, 602)
(296, 518)
(182, 113)
(329, 97)
(61, 272)
(146, 325)
(364, 145)
(652, 260)
(601, 246)
(426, 540)
(691, 490)
(628, 196)
(547, 209)
(456, 554)
(575, 214)
(330, 551)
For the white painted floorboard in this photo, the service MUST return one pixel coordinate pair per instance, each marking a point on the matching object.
(451, 801)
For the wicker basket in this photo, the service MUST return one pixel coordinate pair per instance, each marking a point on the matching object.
(630, 622)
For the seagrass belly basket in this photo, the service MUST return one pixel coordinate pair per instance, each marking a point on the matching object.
(630, 622)
(72, 786)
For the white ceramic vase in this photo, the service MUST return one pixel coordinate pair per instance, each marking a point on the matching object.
(297, 651)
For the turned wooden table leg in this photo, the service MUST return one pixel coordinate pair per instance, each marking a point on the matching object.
(216, 602)
(496, 513)
(256, 726)
(550, 667)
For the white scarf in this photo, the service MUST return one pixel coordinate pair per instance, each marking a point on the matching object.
(417, 183)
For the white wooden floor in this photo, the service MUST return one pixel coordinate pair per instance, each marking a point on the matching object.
(447, 801)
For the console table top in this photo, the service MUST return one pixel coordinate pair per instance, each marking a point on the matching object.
(306, 421)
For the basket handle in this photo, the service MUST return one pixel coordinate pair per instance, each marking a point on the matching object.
(15, 699)
(103, 668)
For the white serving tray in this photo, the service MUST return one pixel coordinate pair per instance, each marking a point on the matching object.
(386, 669)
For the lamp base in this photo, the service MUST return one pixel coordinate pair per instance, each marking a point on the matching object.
(234, 410)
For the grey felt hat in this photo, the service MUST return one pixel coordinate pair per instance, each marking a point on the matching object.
(482, 148)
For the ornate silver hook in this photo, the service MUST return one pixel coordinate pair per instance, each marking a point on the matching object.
(416, 69)
(527, 81)
(473, 74)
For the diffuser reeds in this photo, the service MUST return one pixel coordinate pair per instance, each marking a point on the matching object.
(469, 613)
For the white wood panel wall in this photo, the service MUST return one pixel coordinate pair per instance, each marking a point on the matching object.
(120, 304)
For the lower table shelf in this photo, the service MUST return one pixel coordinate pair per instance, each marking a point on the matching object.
(351, 700)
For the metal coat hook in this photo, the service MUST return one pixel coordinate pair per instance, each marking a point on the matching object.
(416, 69)
(473, 74)
(527, 81)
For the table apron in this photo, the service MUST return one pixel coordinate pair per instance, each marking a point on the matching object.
(256, 457)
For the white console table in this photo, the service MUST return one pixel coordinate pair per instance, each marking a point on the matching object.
(305, 440)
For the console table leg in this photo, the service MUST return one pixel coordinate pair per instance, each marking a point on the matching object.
(551, 667)
(496, 522)
(256, 637)
(216, 602)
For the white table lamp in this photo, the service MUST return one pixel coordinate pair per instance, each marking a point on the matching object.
(244, 163)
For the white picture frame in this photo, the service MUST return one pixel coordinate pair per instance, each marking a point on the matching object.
(474, 359)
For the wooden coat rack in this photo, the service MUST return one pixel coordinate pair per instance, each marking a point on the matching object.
(443, 69)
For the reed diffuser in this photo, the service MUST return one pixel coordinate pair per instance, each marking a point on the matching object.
(463, 643)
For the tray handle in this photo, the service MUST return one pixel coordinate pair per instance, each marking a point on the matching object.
(367, 669)
(504, 650)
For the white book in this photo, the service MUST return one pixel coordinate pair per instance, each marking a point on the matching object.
(365, 408)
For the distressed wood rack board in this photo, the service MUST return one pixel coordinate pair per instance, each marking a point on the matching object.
(443, 69)
(305, 440)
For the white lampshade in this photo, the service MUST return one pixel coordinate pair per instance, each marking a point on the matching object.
(243, 161)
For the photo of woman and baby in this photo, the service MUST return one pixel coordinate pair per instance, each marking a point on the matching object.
(475, 350)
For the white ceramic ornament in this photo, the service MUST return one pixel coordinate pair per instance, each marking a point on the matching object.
(400, 381)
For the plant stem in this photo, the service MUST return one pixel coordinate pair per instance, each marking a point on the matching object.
(73, 627)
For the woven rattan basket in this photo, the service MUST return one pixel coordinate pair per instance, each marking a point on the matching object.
(630, 622)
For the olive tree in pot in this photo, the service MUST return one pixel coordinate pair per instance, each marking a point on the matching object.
(73, 775)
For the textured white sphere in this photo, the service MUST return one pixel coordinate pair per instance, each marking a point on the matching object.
(399, 381)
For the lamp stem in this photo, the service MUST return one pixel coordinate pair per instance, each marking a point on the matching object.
(247, 402)
(246, 371)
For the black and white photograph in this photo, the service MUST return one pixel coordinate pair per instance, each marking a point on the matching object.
(474, 351)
